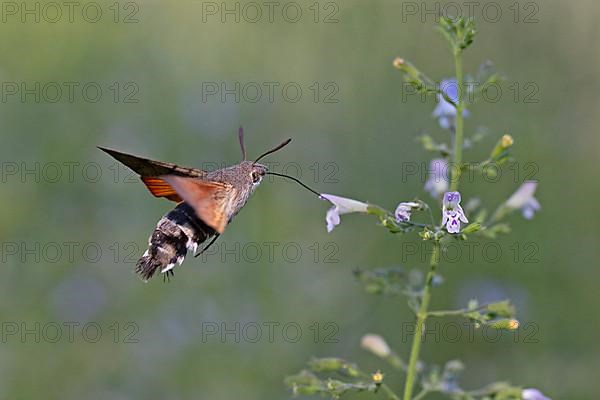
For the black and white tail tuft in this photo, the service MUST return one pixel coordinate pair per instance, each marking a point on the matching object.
(176, 233)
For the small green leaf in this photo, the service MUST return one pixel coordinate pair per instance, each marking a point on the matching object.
(333, 364)
(472, 228)
(501, 309)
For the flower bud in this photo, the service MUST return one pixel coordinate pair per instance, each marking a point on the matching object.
(504, 143)
(509, 324)
(426, 234)
(376, 345)
(377, 377)
(398, 62)
(507, 141)
(413, 75)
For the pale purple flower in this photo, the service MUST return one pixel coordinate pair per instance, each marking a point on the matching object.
(445, 112)
(437, 182)
(533, 394)
(341, 205)
(523, 199)
(452, 212)
(404, 210)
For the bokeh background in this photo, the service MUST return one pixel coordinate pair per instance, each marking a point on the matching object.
(353, 129)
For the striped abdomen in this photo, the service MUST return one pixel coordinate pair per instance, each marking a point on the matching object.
(177, 232)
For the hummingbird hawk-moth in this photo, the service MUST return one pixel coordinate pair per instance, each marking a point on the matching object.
(206, 201)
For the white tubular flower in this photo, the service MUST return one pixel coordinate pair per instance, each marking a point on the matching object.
(523, 200)
(341, 205)
(452, 212)
(533, 394)
(404, 210)
(437, 180)
(376, 345)
(445, 112)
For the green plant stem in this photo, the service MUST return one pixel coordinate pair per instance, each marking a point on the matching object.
(459, 130)
(421, 317)
(430, 214)
(449, 313)
(500, 212)
(384, 214)
(389, 392)
(422, 394)
(446, 313)
(396, 362)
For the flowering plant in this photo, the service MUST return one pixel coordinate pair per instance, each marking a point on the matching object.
(335, 376)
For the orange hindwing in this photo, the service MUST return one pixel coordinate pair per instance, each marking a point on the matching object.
(160, 188)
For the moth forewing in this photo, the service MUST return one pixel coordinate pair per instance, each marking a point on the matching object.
(209, 199)
(152, 168)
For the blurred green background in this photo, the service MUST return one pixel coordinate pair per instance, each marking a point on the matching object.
(154, 75)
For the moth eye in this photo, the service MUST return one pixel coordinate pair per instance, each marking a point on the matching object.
(255, 177)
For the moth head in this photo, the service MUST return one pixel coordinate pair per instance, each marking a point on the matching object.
(255, 170)
(250, 173)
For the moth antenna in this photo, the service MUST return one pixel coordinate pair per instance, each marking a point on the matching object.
(296, 180)
(241, 137)
(273, 150)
